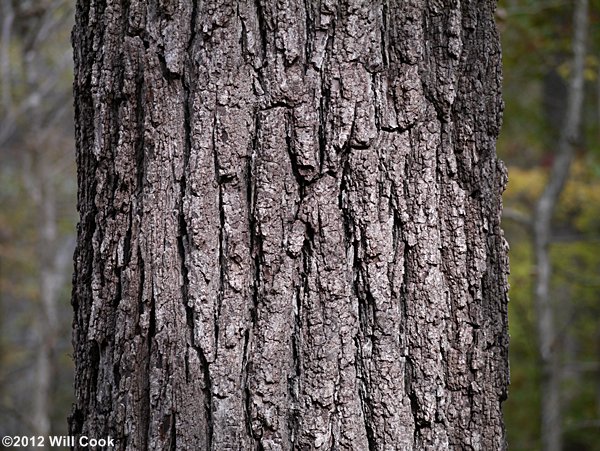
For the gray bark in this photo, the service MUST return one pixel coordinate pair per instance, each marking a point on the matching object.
(551, 406)
(289, 233)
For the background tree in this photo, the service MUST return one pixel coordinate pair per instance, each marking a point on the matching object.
(554, 392)
(36, 241)
(289, 231)
(542, 232)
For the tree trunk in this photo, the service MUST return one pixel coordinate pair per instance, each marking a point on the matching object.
(548, 345)
(289, 233)
(53, 253)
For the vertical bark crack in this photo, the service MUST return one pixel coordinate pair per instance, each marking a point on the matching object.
(222, 231)
(263, 28)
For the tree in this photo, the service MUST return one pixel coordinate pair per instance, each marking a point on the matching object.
(551, 409)
(560, 236)
(555, 307)
(289, 233)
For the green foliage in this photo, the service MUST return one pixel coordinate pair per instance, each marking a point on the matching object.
(575, 254)
(522, 416)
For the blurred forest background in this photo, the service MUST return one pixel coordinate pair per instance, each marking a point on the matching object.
(550, 142)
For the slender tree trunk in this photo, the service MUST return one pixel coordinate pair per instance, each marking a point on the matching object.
(8, 17)
(551, 427)
(49, 286)
(52, 253)
(289, 233)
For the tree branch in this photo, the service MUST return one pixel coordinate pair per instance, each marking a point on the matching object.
(517, 216)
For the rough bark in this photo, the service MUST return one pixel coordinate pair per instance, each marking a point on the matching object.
(289, 233)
